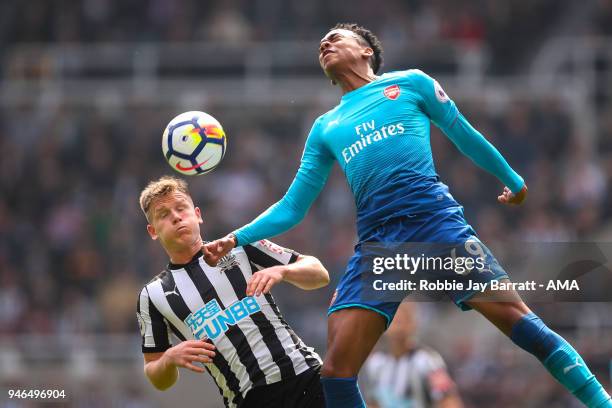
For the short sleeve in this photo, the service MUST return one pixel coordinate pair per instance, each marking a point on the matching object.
(154, 330)
(266, 254)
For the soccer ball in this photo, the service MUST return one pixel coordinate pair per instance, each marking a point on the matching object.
(194, 143)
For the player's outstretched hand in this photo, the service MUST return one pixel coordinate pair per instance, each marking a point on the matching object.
(217, 249)
(187, 352)
(508, 197)
(262, 281)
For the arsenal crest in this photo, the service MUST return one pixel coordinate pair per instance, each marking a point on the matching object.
(392, 92)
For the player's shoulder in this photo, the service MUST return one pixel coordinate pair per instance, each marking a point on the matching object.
(323, 119)
(412, 81)
(159, 277)
(319, 125)
(413, 77)
(412, 73)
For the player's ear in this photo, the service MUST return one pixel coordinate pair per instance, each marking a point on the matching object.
(367, 52)
(199, 214)
(152, 232)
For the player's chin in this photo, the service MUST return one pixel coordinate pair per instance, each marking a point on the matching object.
(184, 235)
(330, 66)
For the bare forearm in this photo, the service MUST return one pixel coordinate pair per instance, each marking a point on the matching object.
(161, 373)
(307, 273)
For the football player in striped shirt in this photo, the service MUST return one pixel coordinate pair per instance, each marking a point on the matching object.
(407, 374)
(225, 318)
(379, 135)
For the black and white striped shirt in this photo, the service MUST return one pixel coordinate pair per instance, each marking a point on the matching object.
(254, 344)
(417, 379)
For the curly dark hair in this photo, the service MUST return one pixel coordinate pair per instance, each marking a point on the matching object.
(376, 60)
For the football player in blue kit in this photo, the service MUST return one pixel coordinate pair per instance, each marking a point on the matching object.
(379, 134)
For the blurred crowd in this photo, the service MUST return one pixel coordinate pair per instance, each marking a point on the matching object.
(73, 246)
(505, 28)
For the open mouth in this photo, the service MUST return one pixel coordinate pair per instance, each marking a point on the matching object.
(326, 53)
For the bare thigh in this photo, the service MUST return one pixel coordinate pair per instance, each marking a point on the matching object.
(351, 335)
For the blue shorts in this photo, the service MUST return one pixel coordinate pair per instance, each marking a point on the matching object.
(447, 225)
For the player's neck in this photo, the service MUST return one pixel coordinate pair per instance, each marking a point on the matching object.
(184, 254)
(353, 78)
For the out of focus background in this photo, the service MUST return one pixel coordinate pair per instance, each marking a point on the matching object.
(86, 88)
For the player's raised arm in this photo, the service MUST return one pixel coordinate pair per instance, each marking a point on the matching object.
(444, 113)
(307, 273)
(312, 175)
(276, 264)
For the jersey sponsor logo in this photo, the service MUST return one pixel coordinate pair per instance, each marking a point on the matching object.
(392, 92)
(210, 321)
(440, 94)
(369, 133)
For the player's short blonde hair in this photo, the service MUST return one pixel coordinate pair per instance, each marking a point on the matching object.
(160, 188)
